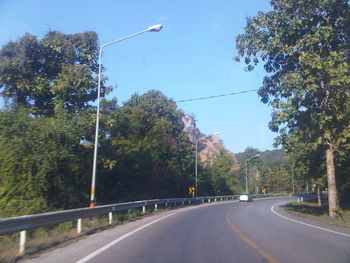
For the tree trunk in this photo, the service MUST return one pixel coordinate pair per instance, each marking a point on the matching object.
(319, 195)
(332, 187)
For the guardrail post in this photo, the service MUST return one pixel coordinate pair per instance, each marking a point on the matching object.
(166, 205)
(202, 201)
(189, 202)
(79, 226)
(302, 199)
(182, 203)
(208, 200)
(129, 211)
(155, 207)
(143, 209)
(22, 242)
(221, 199)
(215, 200)
(110, 217)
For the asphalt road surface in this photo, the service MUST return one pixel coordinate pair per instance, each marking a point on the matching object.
(258, 231)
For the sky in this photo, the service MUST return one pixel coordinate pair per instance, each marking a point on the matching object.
(190, 57)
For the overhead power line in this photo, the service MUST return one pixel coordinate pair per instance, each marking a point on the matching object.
(217, 96)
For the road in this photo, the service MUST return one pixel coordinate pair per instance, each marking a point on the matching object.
(220, 232)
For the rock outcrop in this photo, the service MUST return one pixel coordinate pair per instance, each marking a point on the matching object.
(208, 146)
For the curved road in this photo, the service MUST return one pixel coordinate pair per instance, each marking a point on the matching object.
(259, 231)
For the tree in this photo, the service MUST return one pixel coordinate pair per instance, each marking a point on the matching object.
(221, 170)
(308, 159)
(47, 121)
(44, 165)
(56, 72)
(144, 151)
(305, 47)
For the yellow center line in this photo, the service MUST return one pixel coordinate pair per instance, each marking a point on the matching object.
(263, 253)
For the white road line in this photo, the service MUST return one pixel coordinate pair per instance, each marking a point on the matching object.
(99, 251)
(94, 254)
(306, 224)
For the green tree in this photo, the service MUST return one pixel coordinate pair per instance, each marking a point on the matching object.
(144, 151)
(47, 122)
(221, 171)
(308, 159)
(56, 72)
(43, 163)
(305, 49)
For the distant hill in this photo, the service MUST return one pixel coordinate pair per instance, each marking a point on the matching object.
(273, 157)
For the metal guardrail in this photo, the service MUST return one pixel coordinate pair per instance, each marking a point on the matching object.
(270, 194)
(16, 224)
(23, 223)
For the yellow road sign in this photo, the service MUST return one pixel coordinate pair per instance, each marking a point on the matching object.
(191, 190)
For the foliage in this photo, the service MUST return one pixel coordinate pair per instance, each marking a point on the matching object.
(305, 49)
(57, 72)
(42, 164)
(271, 170)
(146, 153)
(47, 123)
(222, 174)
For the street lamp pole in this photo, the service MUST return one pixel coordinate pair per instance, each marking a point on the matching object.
(196, 162)
(293, 179)
(246, 171)
(196, 169)
(155, 28)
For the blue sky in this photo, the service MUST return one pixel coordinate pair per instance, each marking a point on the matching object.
(191, 57)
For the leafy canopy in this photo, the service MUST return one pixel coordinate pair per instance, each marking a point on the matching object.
(56, 72)
(305, 49)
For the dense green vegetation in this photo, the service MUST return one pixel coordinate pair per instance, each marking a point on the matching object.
(271, 170)
(305, 48)
(47, 133)
(221, 172)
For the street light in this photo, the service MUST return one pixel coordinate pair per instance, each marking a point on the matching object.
(293, 179)
(154, 28)
(196, 163)
(246, 174)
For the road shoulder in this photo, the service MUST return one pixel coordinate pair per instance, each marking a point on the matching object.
(278, 210)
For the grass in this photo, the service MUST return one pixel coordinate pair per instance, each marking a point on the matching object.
(310, 209)
(44, 239)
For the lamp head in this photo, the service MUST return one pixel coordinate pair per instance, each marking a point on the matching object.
(155, 28)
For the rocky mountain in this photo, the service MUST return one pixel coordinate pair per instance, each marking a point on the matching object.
(190, 128)
(208, 146)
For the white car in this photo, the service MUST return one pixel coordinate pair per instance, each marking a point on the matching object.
(245, 198)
